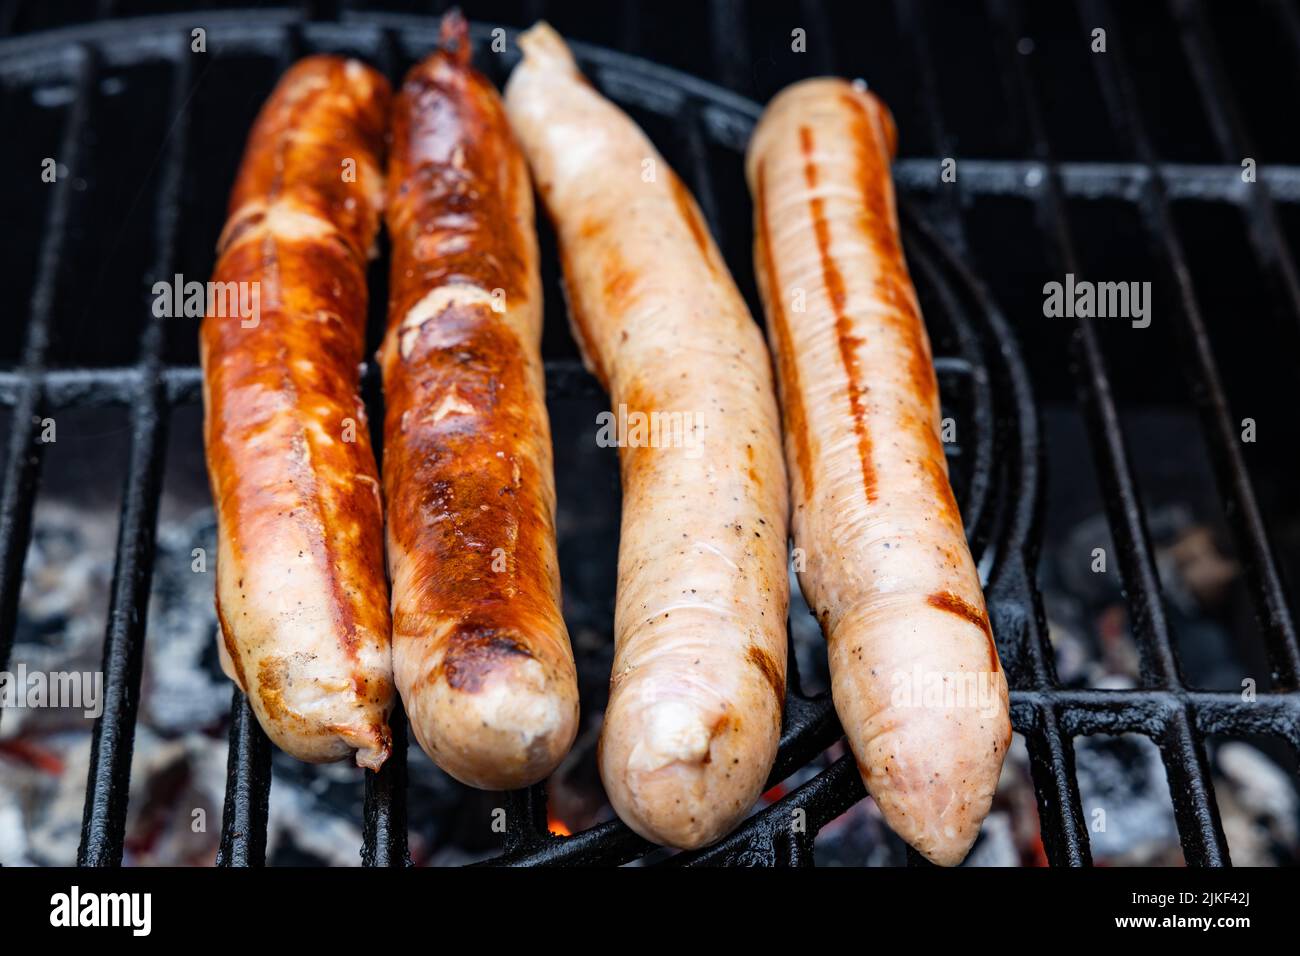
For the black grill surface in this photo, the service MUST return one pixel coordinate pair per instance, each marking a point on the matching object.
(1047, 150)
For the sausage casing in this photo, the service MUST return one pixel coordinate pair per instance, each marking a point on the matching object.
(698, 683)
(914, 669)
(301, 594)
(481, 655)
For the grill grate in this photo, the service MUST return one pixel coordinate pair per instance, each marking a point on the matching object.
(983, 382)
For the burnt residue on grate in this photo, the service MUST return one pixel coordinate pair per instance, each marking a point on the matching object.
(1106, 672)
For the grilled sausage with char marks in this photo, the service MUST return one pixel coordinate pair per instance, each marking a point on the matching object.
(914, 669)
(301, 594)
(480, 651)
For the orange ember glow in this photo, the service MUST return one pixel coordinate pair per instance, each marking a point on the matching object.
(775, 794)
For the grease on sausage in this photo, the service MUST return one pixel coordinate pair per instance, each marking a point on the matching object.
(481, 655)
(302, 599)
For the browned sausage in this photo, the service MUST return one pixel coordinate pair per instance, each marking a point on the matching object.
(301, 594)
(481, 655)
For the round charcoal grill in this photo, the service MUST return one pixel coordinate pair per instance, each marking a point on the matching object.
(984, 387)
(984, 390)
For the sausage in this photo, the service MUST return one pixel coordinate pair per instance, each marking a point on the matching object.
(301, 596)
(481, 655)
(914, 669)
(698, 683)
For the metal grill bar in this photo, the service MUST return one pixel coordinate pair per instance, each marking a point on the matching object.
(1158, 665)
(1051, 765)
(248, 789)
(1200, 368)
(383, 837)
(1119, 484)
(22, 467)
(1195, 810)
(1087, 710)
(774, 841)
(1123, 181)
(96, 387)
(291, 48)
(109, 777)
(119, 385)
(1184, 753)
(1266, 236)
(526, 817)
(609, 844)
(909, 22)
(730, 45)
(1274, 256)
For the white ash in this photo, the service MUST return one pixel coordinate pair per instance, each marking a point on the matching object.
(185, 687)
(1126, 802)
